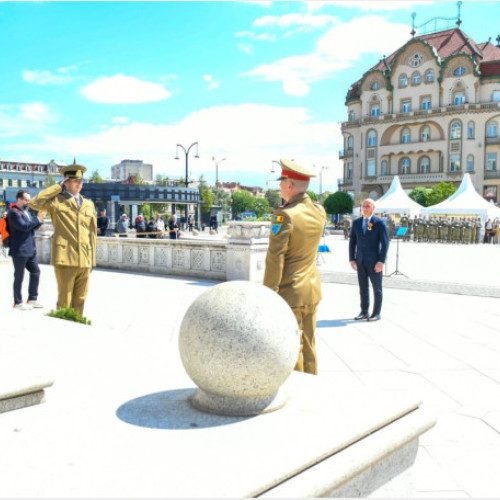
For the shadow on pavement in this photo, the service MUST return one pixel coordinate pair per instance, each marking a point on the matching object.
(170, 410)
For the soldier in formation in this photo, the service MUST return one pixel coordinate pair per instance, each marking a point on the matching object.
(434, 229)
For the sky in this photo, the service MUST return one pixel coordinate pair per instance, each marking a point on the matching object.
(249, 81)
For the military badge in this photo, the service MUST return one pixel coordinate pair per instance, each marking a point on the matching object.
(370, 225)
(275, 228)
(278, 218)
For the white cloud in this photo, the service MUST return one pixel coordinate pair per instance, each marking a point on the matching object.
(288, 20)
(337, 49)
(246, 48)
(36, 112)
(48, 78)
(120, 89)
(212, 85)
(371, 34)
(249, 136)
(368, 5)
(120, 120)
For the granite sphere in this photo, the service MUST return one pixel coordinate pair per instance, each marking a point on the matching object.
(239, 341)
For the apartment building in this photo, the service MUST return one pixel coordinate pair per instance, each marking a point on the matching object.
(428, 113)
(126, 168)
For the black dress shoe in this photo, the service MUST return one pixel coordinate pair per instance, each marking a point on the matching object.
(374, 317)
(361, 315)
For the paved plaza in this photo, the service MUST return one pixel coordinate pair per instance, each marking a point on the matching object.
(444, 347)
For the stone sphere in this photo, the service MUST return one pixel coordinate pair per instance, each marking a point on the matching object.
(239, 341)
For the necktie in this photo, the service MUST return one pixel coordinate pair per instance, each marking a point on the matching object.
(365, 224)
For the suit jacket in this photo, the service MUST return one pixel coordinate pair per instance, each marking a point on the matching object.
(75, 228)
(22, 233)
(370, 247)
(296, 230)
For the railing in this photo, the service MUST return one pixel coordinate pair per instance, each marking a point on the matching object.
(240, 257)
(491, 174)
(346, 153)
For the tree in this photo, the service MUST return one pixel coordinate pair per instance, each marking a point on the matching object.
(137, 178)
(95, 177)
(162, 180)
(312, 195)
(206, 196)
(440, 192)
(50, 180)
(146, 211)
(243, 201)
(261, 207)
(273, 196)
(338, 203)
(421, 195)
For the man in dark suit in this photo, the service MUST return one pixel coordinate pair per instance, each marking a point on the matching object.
(102, 223)
(22, 249)
(368, 247)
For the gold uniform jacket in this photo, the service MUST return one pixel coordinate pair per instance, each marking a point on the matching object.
(75, 228)
(296, 230)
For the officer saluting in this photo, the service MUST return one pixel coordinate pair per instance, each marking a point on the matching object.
(75, 232)
(296, 230)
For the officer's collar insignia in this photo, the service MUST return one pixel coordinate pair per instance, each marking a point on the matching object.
(276, 228)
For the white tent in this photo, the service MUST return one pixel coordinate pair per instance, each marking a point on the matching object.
(465, 201)
(396, 201)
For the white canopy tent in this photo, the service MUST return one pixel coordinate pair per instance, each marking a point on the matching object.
(396, 201)
(465, 201)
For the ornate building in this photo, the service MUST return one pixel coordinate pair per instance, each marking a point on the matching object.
(429, 112)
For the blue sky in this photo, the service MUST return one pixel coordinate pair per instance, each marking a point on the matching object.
(250, 81)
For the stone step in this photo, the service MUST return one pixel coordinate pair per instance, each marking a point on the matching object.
(21, 391)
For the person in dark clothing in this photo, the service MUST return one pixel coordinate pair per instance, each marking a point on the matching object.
(102, 223)
(151, 228)
(173, 228)
(140, 226)
(22, 249)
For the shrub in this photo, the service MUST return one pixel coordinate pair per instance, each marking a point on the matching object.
(69, 314)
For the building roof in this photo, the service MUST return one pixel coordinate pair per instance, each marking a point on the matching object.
(446, 43)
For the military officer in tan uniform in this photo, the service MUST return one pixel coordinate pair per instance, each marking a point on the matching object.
(75, 233)
(296, 230)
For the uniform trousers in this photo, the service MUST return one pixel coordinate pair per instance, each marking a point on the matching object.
(306, 319)
(72, 285)
(31, 265)
(366, 272)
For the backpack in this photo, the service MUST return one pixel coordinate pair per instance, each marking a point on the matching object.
(6, 240)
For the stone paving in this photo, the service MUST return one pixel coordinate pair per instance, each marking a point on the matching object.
(443, 346)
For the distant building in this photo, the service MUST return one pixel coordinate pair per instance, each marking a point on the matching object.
(126, 169)
(230, 187)
(15, 175)
(429, 112)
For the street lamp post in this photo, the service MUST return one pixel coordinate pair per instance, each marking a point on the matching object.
(186, 153)
(217, 170)
(321, 180)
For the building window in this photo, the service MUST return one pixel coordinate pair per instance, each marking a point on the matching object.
(405, 166)
(429, 76)
(383, 168)
(349, 170)
(375, 109)
(460, 71)
(350, 142)
(470, 130)
(470, 163)
(406, 136)
(425, 102)
(459, 98)
(352, 116)
(370, 168)
(415, 78)
(406, 106)
(372, 139)
(492, 129)
(375, 86)
(403, 80)
(424, 165)
(425, 133)
(491, 162)
(496, 96)
(455, 163)
(415, 60)
(455, 130)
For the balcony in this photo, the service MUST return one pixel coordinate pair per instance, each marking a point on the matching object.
(344, 182)
(491, 174)
(422, 113)
(492, 140)
(347, 153)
